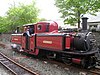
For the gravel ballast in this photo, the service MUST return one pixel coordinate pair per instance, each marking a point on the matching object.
(4, 71)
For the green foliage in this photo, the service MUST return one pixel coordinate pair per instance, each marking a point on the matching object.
(17, 16)
(42, 19)
(4, 24)
(72, 10)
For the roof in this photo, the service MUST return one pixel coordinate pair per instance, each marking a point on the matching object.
(50, 22)
(47, 22)
(29, 24)
(95, 22)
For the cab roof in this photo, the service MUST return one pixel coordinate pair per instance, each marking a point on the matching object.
(30, 24)
(50, 22)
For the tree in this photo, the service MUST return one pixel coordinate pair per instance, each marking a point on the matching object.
(73, 10)
(4, 24)
(42, 19)
(22, 14)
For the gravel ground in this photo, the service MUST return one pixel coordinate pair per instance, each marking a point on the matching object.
(43, 67)
(4, 71)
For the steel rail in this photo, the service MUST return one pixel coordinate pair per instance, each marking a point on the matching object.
(11, 65)
(95, 71)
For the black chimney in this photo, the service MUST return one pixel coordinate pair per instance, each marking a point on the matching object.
(84, 23)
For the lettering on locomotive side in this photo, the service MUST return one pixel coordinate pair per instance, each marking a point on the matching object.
(47, 42)
(15, 39)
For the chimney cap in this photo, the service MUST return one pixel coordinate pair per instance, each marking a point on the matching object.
(84, 18)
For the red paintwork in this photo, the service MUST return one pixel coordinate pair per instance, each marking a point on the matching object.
(35, 52)
(46, 27)
(16, 39)
(43, 27)
(52, 26)
(32, 46)
(76, 60)
(23, 42)
(68, 41)
(32, 43)
(50, 42)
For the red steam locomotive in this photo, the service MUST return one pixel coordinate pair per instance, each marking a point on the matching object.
(72, 47)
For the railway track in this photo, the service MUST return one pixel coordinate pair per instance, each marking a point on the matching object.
(95, 71)
(17, 69)
(14, 67)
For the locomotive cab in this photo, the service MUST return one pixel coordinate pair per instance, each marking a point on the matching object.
(31, 26)
(42, 27)
(28, 43)
(46, 27)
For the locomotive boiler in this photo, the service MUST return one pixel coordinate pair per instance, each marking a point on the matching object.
(73, 47)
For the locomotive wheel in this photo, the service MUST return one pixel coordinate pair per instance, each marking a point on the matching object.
(88, 62)
(66, 60)
(84, 64)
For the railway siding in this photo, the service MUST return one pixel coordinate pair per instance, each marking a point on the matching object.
(14, 67)
(95, 71)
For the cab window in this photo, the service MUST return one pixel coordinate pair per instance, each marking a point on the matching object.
(47, 28)
(39, 27)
